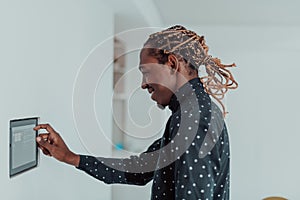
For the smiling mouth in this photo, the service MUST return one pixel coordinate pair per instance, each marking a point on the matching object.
(151, 92)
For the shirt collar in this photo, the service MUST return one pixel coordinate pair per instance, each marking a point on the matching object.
(184, 92)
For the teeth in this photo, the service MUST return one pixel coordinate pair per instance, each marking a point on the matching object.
(151, 90)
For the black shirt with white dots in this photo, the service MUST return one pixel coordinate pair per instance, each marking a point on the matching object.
(189, 162)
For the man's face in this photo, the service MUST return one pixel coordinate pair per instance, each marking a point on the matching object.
(157, 78)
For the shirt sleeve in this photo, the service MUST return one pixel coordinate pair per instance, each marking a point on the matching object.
(131, 170)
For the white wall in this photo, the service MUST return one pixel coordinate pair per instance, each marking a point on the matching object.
(43, 44)
(263, 112)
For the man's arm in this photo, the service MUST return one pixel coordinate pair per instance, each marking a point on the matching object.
(131, 170)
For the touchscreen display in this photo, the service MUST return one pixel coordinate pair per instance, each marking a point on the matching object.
(23, 147)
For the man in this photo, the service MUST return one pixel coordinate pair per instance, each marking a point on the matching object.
(191, 159)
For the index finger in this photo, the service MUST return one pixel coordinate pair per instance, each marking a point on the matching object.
(48, 127)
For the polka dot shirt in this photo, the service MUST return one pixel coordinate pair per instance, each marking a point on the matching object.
(189, 162)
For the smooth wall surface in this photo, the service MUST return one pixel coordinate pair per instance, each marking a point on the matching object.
(43, 44)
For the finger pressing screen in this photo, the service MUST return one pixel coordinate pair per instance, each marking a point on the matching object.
(48, 127)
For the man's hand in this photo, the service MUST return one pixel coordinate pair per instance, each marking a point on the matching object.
(52, 144)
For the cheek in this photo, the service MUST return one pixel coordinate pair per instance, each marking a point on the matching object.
(164, 80)
(169, 83)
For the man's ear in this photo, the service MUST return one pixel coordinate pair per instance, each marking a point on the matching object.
(174, 63)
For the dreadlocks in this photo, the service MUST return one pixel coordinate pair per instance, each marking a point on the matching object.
(192, 48)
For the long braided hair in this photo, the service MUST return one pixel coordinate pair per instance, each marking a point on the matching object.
(192, 48)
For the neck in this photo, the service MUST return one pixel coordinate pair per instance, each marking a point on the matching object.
(183, 80)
